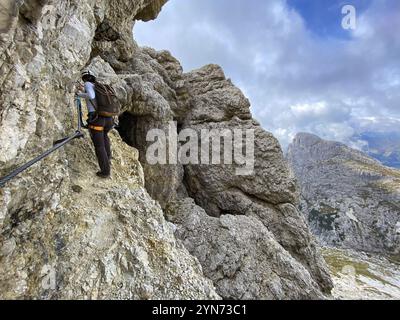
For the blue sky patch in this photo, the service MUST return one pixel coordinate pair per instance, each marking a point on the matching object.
(324, 18)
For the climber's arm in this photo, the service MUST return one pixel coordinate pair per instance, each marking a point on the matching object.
(89, 92)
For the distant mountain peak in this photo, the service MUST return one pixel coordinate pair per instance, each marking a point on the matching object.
(304, 138)
(350, 199)
(315, 148)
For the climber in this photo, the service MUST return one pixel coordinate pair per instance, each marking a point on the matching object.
(99, 125)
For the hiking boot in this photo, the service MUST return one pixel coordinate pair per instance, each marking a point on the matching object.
(102, 175)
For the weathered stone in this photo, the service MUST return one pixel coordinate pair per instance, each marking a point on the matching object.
(241, 256)
(109, 241)
(66, 234)
(349, 199)
(269, 193)
(63, 233)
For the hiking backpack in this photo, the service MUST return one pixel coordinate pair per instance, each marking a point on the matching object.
(107, 103)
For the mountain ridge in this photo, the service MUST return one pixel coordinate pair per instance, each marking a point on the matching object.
(350, 199)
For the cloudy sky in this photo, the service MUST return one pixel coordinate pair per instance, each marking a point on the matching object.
(300, 69)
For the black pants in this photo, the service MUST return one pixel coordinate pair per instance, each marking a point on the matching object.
(99, 129)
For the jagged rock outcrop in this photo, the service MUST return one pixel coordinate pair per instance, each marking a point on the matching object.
(205, 99)
(269, 193)
(349, 199)
(109, 239)
(157, 96)
(241, 255)
(217, 104)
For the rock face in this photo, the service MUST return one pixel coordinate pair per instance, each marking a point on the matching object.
(205, 99)
(93, 239)
(349, 199)
(269, 194)
(266, 271)
(65, 234)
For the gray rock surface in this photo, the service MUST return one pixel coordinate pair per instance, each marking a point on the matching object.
(217, 104)
(241, 255)
(349, 199)
(93, 239)
(65, 234)
(269, 193)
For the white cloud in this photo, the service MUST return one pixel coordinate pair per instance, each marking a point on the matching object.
(295, 80)
(309, 110)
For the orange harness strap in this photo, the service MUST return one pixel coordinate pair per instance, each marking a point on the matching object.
(96, 128)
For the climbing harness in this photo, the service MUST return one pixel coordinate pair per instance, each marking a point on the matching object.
(96, 128)
(57, 145)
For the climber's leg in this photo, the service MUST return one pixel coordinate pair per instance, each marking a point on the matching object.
(107, 127)
(97, 135)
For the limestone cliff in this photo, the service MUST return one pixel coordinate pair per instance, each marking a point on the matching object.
(349, 199)
(65, 234)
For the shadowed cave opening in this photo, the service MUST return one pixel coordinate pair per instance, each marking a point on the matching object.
(126, 128)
